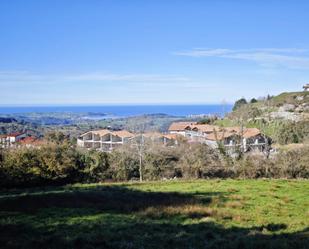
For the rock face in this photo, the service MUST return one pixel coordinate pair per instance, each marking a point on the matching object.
(287, 108)
(302, 108)
(286, 115)
(300, 98)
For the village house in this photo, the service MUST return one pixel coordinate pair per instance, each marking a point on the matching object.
(30, 142)
(9, 140)
(233, 138)
(180, 128)
(306, 87)
(104, 140)
(107, 140)
(156, 137)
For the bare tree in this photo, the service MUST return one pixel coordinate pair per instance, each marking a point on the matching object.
(138, 142)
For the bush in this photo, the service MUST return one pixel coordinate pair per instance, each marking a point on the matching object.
(239, 103)
(292, 132)
(294, 163)
(124, 164)
(160, 162)
(95, 166)
(198, 161)
(63, 164)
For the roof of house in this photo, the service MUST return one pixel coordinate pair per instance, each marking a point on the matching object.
(220, 135)
(180, 126)
(15, 134)
(306, 86)
(234, 131)
(31, 140)
(205, 127)
(121, 133)
(100, 132)
(171, 136)
(251, 132)
(151, 134)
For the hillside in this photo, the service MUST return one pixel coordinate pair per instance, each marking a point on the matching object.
(285, 117)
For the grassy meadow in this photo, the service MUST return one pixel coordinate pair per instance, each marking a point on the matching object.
(172, 214)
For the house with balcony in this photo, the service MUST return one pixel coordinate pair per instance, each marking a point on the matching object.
(180, 128)
(237, 139)
(156, 137)
(9, 140)
(105, 140)
(233, 138)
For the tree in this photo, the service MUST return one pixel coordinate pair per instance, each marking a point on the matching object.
(96, 165)
(239, 103)
(253, 100)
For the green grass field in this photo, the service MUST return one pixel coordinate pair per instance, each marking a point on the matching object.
(175, 214)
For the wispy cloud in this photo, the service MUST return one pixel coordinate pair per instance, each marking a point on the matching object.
(30, 77)
(293, 58)
(98, 76)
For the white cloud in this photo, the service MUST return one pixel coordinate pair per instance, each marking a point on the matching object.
(29, 77)
(124, 77)
(293, 58)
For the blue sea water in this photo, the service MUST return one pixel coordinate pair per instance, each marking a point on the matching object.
(123, 110)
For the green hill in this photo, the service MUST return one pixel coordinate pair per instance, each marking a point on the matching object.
(285, 117)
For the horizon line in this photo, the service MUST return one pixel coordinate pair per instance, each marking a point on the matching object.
(107, 104)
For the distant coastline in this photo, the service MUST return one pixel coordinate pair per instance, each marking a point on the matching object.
(123, 110)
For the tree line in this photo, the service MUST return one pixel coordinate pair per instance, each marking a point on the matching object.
(63, 163)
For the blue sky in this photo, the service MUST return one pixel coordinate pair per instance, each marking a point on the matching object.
(113, 52)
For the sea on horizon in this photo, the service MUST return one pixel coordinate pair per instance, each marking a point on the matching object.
(124, 110)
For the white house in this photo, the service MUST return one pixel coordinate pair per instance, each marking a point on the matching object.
(180, 128)
(104, 140)
(235, 138)
(156, 137)
(232, 138)
(9, 140)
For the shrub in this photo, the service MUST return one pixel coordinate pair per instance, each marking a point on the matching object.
(124, 164)
(63, 164)
(292, 132)
(239, 103)
(198, 161)
(95, 166)
(160, 162)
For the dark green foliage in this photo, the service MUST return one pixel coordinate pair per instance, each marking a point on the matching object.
(61, 164)
(124, 165)
(160, 162)
(292, 132)
(52, 164)
(208, 120)
(199, 161)
(253, 100)
(239, 103)
(95, 166)
(57, 137)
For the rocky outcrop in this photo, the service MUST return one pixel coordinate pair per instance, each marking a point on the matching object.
(287, 108)
(286, 115)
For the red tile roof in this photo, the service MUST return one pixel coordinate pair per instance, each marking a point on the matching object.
(180, 126)
(15, 134)
(31, 141)
(121, 133)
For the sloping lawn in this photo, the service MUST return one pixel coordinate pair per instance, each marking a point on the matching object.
(174, 214)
